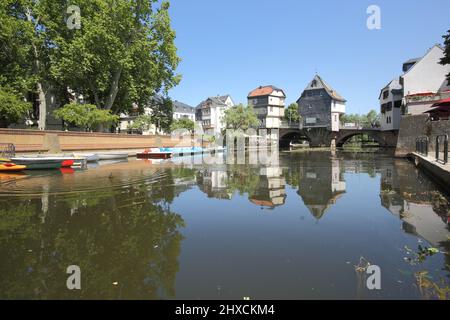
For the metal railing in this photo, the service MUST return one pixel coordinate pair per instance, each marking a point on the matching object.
(7, 150)
(442, 148)
(422, 146)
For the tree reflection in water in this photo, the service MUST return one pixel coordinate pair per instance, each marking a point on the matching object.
(126, 242)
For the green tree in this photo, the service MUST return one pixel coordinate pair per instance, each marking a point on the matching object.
(86, 116)
(143, 123)
(446, 59)
(12, 108)
(183, 123)
(240, 117)
(372, 118)
(162, 113)
(123, 54)
(291, 113)
(27, 49)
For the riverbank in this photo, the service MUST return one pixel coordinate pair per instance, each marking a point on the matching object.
(438, 171)
(50, 141)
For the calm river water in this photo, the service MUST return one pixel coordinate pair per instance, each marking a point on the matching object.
(296, 230)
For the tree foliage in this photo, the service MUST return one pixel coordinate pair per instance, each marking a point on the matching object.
(142, 122)
(291, 113)
(183, 123)
(371, 119)
(124, 52)
(446, 59)
(162, 113)
(86, 116)
(12, 108)
(240, 117)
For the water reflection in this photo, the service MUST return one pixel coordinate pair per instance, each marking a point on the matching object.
(321, 183)
(118, 223)
(413, 198)
(126, 242)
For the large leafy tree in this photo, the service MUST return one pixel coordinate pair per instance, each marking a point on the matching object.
(240, 117)
(446, 59)
(123, 54)
(26, 50)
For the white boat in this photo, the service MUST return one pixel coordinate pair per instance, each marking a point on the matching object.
(112, 156)
(90, 157)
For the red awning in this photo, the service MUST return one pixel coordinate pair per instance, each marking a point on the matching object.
(439, 108)
(443, 102)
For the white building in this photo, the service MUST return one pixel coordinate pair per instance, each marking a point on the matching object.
(391, 102)
(183, 111)
(422, 84)
(210, 112)
(268, 104)
(180, 111)
(422, 81)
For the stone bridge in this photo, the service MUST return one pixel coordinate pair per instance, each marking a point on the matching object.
(322, 137)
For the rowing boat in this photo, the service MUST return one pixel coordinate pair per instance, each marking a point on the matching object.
(38, 163)
(90, 157)
(112, 156)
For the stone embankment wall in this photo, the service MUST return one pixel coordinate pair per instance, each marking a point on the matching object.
(412, 127)
(34, 141)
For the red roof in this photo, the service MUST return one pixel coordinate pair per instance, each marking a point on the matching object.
(263, 91)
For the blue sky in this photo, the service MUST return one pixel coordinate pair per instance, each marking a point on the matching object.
(232, 46)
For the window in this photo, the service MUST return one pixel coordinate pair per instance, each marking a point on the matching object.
(335, 118)
(386, 94)
(388, 120)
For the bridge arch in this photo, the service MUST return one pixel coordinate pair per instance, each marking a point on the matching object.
(286, 137)
(343, 137)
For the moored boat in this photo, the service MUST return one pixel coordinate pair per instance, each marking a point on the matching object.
(112, 156)
(154, 153)
(6, 166)
(90, 157)
(67, 163)
(38, 163)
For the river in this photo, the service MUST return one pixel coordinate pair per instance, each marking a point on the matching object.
(304, 228)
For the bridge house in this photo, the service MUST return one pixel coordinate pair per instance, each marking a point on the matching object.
(268, 103)
(320, 106)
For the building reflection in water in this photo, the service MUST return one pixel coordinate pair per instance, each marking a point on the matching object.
(417, 201)
(321, 184)
(271, 190)
(213, 182)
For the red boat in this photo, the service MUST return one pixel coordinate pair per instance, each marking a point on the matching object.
(67, 163)
(154, 154)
